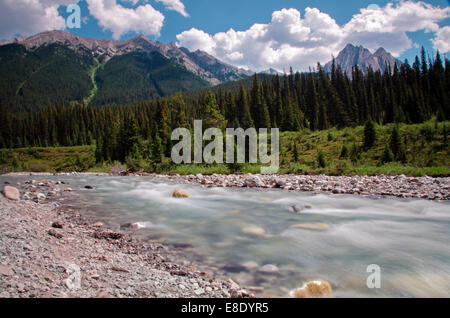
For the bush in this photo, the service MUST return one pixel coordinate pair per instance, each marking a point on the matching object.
(387, 156)
(38, 167)
(321, 160)
(344, 152)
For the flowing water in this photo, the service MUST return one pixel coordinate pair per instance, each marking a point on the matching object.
(336, 240)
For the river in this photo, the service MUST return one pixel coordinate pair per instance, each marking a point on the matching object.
(244, 230)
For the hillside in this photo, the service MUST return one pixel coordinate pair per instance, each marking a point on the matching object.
(426, 147)
(55, 66)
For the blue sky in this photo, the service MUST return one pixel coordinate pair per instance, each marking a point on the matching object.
(256, 34)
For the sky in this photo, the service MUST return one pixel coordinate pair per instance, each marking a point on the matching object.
(253, 34)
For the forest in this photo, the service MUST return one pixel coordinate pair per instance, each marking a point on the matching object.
(300, 102)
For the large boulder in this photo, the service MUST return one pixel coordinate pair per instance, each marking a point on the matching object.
(313, 289)
(11, 193)
(179, 193)
(252, 181)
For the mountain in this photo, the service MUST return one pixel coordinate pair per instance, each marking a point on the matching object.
(53, 66)
(358, 55)
(271, 71)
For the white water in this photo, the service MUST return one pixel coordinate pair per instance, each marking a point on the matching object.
(408, 239)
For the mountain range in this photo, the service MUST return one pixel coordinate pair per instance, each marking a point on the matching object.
(358, 55)
(54, 66)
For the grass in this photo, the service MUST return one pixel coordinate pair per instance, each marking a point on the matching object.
(426, 146)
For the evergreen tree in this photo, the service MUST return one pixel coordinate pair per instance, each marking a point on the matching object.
(396, 145)
(370, 134)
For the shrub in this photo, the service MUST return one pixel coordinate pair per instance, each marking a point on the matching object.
(38, 167)
(321, 160)
(344, 152)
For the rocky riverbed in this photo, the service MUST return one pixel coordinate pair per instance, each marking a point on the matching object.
(48, 250)
(382, 185)
(399, 186)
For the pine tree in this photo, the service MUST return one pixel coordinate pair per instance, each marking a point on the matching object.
(156, 147)
(370, 134)
(396, 145)
(387, 155)
(245, 118)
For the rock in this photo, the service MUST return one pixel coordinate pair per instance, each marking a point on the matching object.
(108, 235)
(40, 196)
(6, 271)
(199, 292)
(97, 224)
(253, 182)
(269, 269)
(254, 230)
(54, 233)
(234, 268)
(312, 226)
(313, 289)
(89, 187)
(57, 225)
(250, 265)
(280, 183)
(11, 193)
(119, 269)
(179, 193)
(135, 226)
(102, 294)
(296, 209)
(68, 190)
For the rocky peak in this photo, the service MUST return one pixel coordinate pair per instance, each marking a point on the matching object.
(199, 62)
(360, 56)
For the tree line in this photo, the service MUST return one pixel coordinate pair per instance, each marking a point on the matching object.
(312, 100)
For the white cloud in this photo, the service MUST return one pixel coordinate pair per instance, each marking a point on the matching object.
(120, 20)
(292, 40)
(442, 40)
(27, 17)
(175, 5)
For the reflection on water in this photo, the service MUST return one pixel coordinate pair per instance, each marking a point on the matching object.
(242, 230)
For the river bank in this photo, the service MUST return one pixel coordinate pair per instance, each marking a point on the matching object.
(375, 186)
(48, 250)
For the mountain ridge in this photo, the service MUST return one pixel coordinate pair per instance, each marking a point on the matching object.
(360, 56)
(200, 63)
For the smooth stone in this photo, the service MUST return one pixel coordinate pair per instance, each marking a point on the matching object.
(254, 230)
(179, 193)
(269, 269)
(11, 193)
(313, 289)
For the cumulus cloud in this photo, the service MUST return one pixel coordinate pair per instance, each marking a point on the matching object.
(442, 40)
(292, 40)
(27, 17)
(120, 20)
(175, 5)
